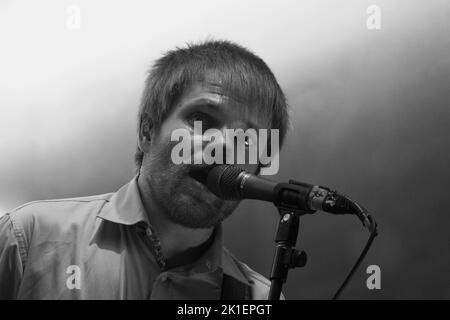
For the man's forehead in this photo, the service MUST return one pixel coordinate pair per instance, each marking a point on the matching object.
(219, 89)
(215, 83)
(214, 92)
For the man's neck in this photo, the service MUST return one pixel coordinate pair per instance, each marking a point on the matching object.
(180, 245)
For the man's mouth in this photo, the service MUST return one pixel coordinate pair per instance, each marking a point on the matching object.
(200, 173)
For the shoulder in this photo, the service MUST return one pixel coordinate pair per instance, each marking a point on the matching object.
(59, 209)
(57, 215)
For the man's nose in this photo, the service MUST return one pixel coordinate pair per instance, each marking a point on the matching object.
(223, 151)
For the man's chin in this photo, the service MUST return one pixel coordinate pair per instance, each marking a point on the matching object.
(195, 215)
(205, 203)
(200, 210)
(189, 203)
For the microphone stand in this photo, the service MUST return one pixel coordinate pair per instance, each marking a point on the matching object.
(286, 256)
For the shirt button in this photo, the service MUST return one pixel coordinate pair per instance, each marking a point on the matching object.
(208, 264)
(148, 232)
(163, 277)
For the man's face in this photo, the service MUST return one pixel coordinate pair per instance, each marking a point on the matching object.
(184, 200)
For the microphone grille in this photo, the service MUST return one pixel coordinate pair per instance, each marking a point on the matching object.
(223, 181)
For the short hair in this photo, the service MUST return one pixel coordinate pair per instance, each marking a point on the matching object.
(239, 71)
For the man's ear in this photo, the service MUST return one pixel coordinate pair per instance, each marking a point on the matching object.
(145, 133)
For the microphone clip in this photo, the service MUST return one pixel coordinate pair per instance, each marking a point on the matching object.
(286, 255)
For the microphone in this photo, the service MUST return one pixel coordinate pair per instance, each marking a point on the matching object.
(233, 183)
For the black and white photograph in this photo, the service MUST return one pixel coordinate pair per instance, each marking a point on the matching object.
(224, 150)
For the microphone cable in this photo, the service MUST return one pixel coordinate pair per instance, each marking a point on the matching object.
(370, 224)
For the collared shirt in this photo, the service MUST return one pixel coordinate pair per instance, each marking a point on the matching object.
(103, 247)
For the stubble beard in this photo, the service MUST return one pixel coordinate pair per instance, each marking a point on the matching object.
(183, 200)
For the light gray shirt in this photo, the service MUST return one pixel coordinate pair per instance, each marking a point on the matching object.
(103, 247)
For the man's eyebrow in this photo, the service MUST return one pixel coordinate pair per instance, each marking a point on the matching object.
(216, 106)
(219, 108)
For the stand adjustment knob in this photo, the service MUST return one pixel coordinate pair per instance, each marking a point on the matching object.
(298, 259)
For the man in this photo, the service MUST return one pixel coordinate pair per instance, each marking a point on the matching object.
(160, 236)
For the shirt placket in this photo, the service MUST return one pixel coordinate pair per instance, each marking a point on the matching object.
(156, 244)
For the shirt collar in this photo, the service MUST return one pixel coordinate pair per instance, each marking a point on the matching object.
(126, 207)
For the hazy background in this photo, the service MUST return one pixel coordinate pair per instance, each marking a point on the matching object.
(370, 117)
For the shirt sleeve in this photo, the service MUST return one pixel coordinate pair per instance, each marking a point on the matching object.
(11, 267)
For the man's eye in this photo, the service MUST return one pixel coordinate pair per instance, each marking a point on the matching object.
(248, 141)
(206, 121)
